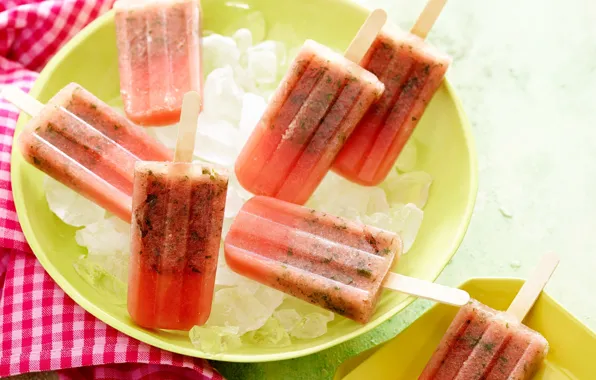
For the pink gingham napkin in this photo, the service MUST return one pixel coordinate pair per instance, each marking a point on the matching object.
(41, 328)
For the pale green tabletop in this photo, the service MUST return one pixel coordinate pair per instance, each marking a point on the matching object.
(526, 73)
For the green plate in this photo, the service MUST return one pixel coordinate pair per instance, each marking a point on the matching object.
(445, 151)
(572, 345)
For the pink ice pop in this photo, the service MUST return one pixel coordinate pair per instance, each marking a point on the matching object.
(159, 56)
(82, 142)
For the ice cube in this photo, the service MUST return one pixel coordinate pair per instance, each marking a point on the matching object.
(226, 277)
(380, 220)
(276, 47)
(244, 78)
(216, 141)
(304, 308)
(167, 135)
(404, 220)
(219, 51)
(412, 187)
(105, 283)
(272, 334)
(116, 264)
(252, 20)
(351, 196)
(269, 297)
(238, 307)
(311, 326)
(244, 194)
(387, 183)
(222, 95)
(406, 161)
(215, 339)
(292, 42)
(351, 213)
(234, 203)
(377, 201)
(227, 224)
(243, 38)
(72, 208)
(262, 64)
(288, 318)
(257, 25)
(105, 237)
(253, 107)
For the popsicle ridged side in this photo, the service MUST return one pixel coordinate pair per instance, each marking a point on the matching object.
(178, 211)
(325, 260)
(484, 344)
(411, 71)
(86, 145)
(311, 114)
(159, 61)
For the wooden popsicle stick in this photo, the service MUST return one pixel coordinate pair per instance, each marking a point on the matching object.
(525, 299)
(366, 35)
(426, 289)
(187, 127)
(22, 100)
(427, 18)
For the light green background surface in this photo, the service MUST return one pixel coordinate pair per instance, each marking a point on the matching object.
(526, 73)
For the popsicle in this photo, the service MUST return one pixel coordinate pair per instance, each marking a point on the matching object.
(178, 211)
(313, 111)
(412, 71)
(159, 57)
(328, 261)
(483, 343)
(82, 142)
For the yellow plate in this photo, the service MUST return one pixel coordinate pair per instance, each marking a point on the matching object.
(572, 352)
(445, 151)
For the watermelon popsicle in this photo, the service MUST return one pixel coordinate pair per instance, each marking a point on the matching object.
(178, 211)
(411, 71)
(159, 57)
(483, 343)
(328, 261)
(313, 111)
(83, 143)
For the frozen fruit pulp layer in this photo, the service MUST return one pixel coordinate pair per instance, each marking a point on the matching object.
(522, 357)
(411, 71)
(325, 260)
(106, 120)
(482, 343)
(74, 153)
(159, 55)
(178, 211)
(312, 113)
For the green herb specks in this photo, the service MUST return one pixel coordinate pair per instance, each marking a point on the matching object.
(364, 272)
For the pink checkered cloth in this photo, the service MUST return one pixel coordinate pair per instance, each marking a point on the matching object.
(41, 328)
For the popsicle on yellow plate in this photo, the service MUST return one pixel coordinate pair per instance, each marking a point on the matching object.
(159, 57)
(412, 71)
(82, 142)
(328, 261)
(178, 210)
(313, 111)
(485, 344)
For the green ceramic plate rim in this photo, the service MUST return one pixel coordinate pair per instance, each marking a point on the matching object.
(138, 334)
